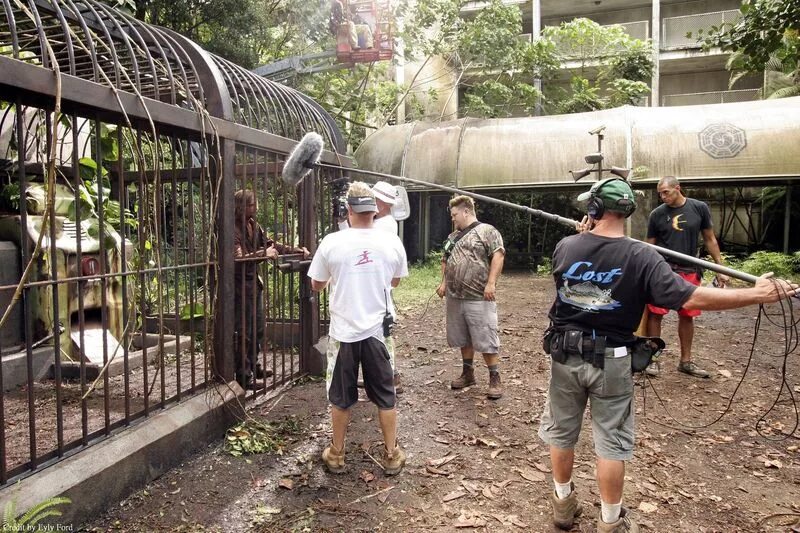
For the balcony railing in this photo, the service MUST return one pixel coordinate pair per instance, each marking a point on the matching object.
(638, 30)
(712, 97)
(674, 29)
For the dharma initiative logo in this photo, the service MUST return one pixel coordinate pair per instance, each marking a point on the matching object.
(722, 140)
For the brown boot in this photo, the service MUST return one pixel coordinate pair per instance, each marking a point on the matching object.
(393, 464)
(624, 524)
(495, 387)
(333, 459)
(565, 510)
(466, 379)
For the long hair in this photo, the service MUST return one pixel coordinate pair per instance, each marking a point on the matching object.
(241, 199)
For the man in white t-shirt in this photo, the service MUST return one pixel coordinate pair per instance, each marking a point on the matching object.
(385, 198)
(361, 264)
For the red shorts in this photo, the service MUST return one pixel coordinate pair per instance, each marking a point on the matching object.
(694, 279)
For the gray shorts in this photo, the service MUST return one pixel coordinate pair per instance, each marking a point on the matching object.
(611, 394)
(472, 323)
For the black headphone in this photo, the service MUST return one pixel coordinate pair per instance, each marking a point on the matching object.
(595, 207)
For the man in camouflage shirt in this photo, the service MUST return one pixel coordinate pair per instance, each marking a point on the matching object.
(472, 262)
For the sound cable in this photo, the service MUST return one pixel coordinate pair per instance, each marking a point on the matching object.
(789, 325)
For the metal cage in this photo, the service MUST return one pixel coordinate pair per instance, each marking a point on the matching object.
(129, 302)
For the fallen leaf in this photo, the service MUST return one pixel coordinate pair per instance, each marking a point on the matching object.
(472, 487)
(542, 467)
(531, 475)
(487, 493)
(497, 452)
(454, 495)
(286, 483)
(648, 507)
(486, 442)
(384, 495)
(773, 463)
(514, 519)
(471, 520)
(443, 461)
(367, 476)
(433, 470)
(441, 440)
(726, 373)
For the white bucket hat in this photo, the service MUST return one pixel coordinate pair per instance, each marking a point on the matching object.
(385, 192)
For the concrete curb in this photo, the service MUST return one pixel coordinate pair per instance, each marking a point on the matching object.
(107, 472)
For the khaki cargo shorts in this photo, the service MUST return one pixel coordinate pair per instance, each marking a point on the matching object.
(472, 323)
(610, 392)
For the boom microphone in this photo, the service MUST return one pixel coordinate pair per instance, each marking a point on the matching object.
(306, 156)
(303, 159)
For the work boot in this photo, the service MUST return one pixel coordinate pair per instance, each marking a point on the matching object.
(333, 459)
(398, 387)
(466, 379)
(688, 367)
(495, 387)
(565, 510)
(624, 524)
(393, 464)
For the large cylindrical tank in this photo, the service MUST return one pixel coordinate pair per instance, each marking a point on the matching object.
(744, 142)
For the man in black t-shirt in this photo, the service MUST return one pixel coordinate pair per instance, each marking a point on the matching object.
(603, 282)
(675, 224)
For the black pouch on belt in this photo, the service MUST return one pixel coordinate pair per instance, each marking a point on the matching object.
(599, 353)
(643, 350)
(557, 352)
(547, 339)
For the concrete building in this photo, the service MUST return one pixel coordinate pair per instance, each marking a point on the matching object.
(684, 73)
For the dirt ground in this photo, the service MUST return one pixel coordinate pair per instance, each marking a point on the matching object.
(476, 464)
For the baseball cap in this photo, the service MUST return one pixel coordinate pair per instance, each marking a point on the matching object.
(385, 192)
(362, 204)
(616, 194)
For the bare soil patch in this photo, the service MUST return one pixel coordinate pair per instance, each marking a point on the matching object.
(476, 464)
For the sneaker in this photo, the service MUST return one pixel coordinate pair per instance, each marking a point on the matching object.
(333, 459)
(495, 387)
(653, 369)
(565, 510)
(398, 387)
(466, 379)
(393, 464)
(688, 367)
(624, 524)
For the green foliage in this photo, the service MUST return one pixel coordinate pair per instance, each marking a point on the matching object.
(488, 42)
(581, 97)
(29, 520)
(761, 262)
(9, 197)
(420, 285)
(253, 437)
(765, 38)
(545, 267)
(624, 66)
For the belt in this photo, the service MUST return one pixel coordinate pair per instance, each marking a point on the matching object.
(595, 350)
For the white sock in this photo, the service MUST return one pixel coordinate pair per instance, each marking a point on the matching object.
(610, 511)
(563, 489)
